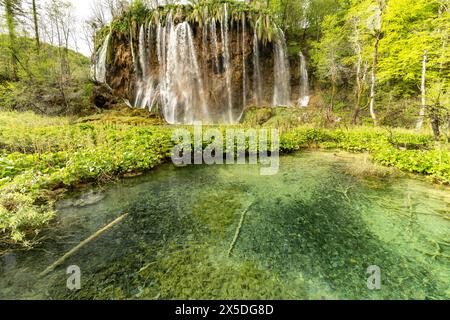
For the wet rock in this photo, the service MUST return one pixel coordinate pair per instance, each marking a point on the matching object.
(103, 97)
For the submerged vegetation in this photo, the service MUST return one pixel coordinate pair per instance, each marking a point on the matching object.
(166, 249)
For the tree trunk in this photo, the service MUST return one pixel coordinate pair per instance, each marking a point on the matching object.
(358, 90)
(423, 89)
(333, 93)
(435, 127)
(36, 26)
(9, 12)
(435, 122)
(448, 126)
(373, 79)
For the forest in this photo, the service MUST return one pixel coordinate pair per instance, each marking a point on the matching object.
(358, 92)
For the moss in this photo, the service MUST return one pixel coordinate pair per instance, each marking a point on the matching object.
(197, 14)
(197, 273)
(206, 208)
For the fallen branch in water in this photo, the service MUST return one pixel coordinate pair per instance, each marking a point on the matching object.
(238, 230)
(82, 244)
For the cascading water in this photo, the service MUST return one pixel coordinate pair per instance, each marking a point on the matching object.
(142, 52)
(282, 87)
(244, 68)
(196, 72)
(226, 61)
(183, 77)
(133, 54)
(215, 43)
(145, 86)
(256, 68)
(100, 65)
(304, 83)
(180, 88)
(205, 49)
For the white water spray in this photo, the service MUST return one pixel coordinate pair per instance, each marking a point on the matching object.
(244, 68)
(282, 87)
(215, 43)
(256, 68)
(304, 83)
(100, 65)
(226, 61)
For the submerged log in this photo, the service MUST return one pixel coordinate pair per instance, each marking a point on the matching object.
(81, 245)
(238, 230)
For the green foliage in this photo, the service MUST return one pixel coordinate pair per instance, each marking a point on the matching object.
(20, 217)
(39, 86)
(410, 28)
(43, 156)
(406, 29)
(409, 152)
(199, 13)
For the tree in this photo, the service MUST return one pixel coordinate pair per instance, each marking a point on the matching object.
(423, 89)
(329, 52)
(360, 67)
(12, 8)
(36, 25)
(376, 26)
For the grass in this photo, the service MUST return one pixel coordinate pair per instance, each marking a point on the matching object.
(43, 157)
(363, 167)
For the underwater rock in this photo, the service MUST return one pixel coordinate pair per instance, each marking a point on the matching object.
(87, 199)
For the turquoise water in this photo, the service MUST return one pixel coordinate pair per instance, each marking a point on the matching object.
(309, 232)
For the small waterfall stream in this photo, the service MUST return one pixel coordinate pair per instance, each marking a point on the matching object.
(214, 43)
(304, 83)
(257, 68)
(100, 65)
(282, 87)
(226, 61)
(244, 67)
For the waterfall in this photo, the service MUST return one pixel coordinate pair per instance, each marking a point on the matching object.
(133, 55)
(215, 44)
(145, 87)
(183, 90)
(142, 52)
(256, 68)
(100, 64)
(304, 83)
(244, 68)
(282, 87)
(161, 52)
(186, 69)
(180, 90)
(226, 61)
(205, 49)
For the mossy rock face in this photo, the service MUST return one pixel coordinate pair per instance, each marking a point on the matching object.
(197, 13)
(124, 115)
(122, 74)
(280, 117)
(258, 116)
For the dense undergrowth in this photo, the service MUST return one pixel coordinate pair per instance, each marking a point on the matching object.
(39, 85)
(43, 157)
